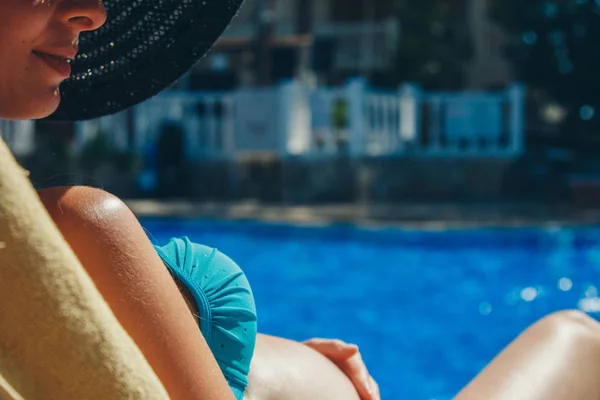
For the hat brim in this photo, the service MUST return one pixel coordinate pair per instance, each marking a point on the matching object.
(142, 49)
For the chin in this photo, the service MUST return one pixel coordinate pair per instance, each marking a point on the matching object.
(47, 110)
(34, 108)
(46, 107)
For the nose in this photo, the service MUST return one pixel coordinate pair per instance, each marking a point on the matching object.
(82, 15)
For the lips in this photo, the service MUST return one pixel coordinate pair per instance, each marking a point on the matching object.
(60, 65)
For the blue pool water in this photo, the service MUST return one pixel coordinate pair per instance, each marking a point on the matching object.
(428, 309)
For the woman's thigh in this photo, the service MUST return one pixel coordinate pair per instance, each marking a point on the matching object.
(557, 358)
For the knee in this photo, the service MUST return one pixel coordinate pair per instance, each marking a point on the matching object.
(574, 327)
(573, 320)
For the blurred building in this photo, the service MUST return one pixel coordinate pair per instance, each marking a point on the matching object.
(308, 117)
(489, 68)
(328, 41)
(321, 41)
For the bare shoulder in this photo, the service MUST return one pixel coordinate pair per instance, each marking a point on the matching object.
(106, 236)
(117, 254)
(82, 204)
(94, 221)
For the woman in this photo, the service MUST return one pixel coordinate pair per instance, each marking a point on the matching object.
(40, 40)
(115, 251)
(34, 41)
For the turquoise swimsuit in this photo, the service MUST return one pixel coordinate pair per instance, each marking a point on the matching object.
(227, 315)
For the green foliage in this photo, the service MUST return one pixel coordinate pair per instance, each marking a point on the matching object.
(340, 117)
(99, 152)
(94, 153)
(555, 46)
(555, 49)
(434, 45)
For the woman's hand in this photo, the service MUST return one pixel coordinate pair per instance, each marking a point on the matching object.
(347, 357)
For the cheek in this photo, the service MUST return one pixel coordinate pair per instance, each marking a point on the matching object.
(16, 48)
(23, 24)
(25, 93)
(18, 44)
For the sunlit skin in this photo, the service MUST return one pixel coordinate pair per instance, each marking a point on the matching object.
(558, 358)
(29, 87)
(37, 39)
(116, 252)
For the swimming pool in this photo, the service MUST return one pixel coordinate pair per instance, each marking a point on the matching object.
(428, 309)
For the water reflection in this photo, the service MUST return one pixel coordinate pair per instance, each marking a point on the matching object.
(529, 294)
(565, 284)
(589, 305)
(485, 308)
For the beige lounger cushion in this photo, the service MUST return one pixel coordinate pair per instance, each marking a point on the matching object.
(58, 338)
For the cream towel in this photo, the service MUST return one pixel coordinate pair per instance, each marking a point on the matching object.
(58, 337)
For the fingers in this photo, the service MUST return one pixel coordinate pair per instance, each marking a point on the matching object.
(348, 358)
(376, 395)
(356, 370)
(332, 349)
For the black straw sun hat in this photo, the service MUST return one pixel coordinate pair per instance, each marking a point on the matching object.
(144, 47)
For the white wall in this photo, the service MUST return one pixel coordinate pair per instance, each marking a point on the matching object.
(19, 136)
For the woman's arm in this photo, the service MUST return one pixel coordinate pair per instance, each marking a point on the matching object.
(114, 249)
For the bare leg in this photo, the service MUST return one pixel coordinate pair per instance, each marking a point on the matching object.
(558, 358)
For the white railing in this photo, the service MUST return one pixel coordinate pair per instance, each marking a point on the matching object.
(207, 121)
(409, 121)
(354, 120)
(382, 112)
(477, 124)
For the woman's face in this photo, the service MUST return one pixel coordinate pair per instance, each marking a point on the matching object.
(36, 38)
